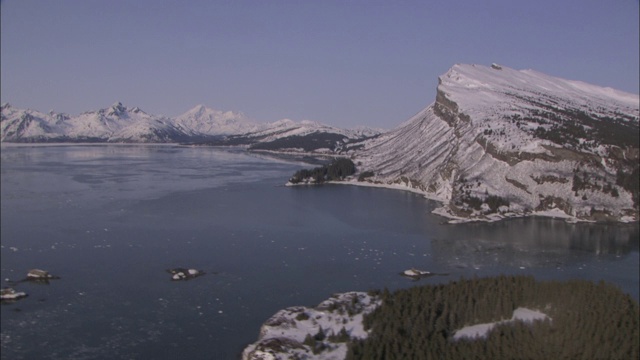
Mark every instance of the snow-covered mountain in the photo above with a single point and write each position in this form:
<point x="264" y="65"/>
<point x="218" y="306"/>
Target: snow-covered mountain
<point x="500" y="142"/>
<point x="204" y="121"/>
<point x="299" y="137"/>
<point x="16" y="124"/>
<point x="116" y="123"/>
<point x="119" y="123"/>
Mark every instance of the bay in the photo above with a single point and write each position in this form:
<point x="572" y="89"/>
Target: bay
<point x="110" y="219"/>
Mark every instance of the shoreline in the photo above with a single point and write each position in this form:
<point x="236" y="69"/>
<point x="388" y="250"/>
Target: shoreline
<point x="554" y="214"/>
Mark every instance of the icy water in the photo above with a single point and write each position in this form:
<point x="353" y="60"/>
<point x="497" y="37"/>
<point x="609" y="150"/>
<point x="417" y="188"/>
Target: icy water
<point x="109" y="220"/>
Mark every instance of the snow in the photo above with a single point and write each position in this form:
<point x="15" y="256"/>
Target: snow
<point x="202" y="120"/>
<point x="287" y="127"/>
<point x="415" y="272"/>
<point x="119" y="123"/>
<point x="482" y="330"/>
<point x="468" y="143"/>
<point x="553" y="213"/>
<point x="11" y="294"/>
<point x="292" y="325"/>
<point x="460" y="77"/>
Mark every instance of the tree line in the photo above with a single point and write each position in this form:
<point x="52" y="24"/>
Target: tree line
<point x="337" y="170"/>
<point x="588" y="321"/>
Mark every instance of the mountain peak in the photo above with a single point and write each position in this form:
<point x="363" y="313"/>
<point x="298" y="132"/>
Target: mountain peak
<point x="202" y="120"/>
<point x="200" y="108"/>
<point x="117" y="109"/>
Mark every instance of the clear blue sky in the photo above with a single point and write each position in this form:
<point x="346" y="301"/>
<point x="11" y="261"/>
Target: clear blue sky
<point x="343" y="63"/>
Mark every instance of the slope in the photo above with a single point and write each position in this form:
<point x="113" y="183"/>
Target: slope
<point x="500" y="142"/>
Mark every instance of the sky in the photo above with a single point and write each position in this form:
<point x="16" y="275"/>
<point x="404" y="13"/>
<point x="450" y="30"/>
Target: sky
<point x="343" y="63"/>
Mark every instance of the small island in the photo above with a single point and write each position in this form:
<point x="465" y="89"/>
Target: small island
<point x="39" y="275"/>
<point x="416" y="274"/>
<point x="9" y="295"/>
<point x="184" y="274"/>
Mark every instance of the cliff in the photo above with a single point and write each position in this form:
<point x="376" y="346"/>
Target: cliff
<point x="499" y="142"/>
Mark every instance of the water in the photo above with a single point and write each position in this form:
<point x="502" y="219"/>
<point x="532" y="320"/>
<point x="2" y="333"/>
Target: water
<point x="109" y="220"/>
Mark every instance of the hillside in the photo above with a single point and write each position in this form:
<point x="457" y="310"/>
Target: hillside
<point x="499" y="142"/>
<point x="288" y="136"/>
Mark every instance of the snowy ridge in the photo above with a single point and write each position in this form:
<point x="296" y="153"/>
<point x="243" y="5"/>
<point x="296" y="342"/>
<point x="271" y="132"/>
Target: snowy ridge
<point x="313" y="333"/>
<point x="498" y="142"/>
<point x="119" y="123"/>
<point x="287" y="127"/>
<point x="298" y="138"/>
<point x="202" y="120"/>
<point x="116" y="123"/>
<point x="17" y="123"/>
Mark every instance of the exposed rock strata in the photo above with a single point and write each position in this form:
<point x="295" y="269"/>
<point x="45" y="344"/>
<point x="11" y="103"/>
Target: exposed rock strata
<point x="503" y="142"/>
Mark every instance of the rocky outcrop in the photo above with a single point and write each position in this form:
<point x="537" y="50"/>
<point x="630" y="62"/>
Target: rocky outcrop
<point x="184" y="274"/>
<point x="322" y="332"/>
<point x="9" y="295"/>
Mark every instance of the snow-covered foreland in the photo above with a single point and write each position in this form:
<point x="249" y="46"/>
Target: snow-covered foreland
<point x="313" y="333"/>
<point x="482" y="330"/>
<point x="499" y="143"/>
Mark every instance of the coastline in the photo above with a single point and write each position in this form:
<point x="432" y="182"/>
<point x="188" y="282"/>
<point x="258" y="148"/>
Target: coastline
<point x="443" y="212"/>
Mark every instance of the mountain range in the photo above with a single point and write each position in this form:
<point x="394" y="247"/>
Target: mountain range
<point x="200" y="125"/>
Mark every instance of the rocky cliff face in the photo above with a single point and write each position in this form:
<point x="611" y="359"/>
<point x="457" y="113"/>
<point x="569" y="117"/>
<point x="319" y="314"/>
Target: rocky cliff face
<point x="500" y="142"/>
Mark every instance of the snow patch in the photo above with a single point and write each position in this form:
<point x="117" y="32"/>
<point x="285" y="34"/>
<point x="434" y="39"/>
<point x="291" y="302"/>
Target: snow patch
<point x="482" y="330"/>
